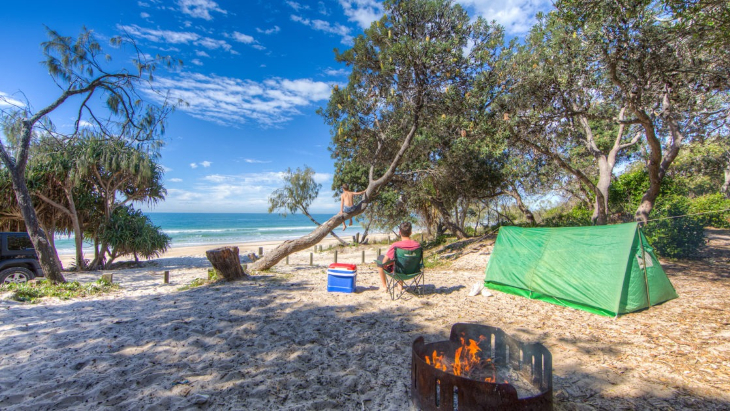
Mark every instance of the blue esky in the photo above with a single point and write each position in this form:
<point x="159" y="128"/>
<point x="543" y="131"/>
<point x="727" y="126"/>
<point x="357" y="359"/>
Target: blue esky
<point x="254" y="74"/>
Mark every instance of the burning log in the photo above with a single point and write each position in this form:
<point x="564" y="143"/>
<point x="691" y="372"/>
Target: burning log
<point x="227" y="262"/>
<point x="480" y="368"/>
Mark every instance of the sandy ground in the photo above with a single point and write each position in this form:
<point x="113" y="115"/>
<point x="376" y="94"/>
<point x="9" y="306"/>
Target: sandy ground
<point x="281" y="341"/>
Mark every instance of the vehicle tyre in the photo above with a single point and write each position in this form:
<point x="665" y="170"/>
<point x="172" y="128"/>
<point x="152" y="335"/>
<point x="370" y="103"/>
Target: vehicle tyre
<point x="15" y="275"/>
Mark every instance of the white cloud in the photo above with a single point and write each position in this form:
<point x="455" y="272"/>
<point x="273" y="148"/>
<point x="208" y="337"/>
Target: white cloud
<point x="85" y="124"/>
<point x="175" y="37"/>
<point x="200" y="8"/>
<point x="144" y="15"/>
<point x="254" y="161"/>
<point x="160" y="36"/>
<point x="166" y="169"/>
<point x="517" y="16"/>
<point x="205" y="164"/>
<point x="142" y="4"/>
<point x="327" y="27"/>
<point x="201" y="53"/>
<point x="193" y="165"/>
<point x="338" y="72"/>
<point x="322" y="8"/>
<point x="197" y="62"/>
<point x="272" y="30"/>
<point x="226" y="100"/>
<point x="7" y="101"/>
<point x="175" y="180"/>
<point x="296" y="6"/>
<point x="242" y="38"/>
<point x="258" y="47"/>
<point x="363" y="12"/>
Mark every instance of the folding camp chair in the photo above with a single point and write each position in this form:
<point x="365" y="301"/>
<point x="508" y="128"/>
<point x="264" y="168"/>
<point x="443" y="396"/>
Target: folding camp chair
<point x="408" y="268"/>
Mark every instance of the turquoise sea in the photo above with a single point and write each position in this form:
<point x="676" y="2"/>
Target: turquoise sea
<point x="187" y="229"/>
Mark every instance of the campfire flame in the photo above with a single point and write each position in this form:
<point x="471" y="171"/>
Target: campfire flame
<point x="467" y="361"/>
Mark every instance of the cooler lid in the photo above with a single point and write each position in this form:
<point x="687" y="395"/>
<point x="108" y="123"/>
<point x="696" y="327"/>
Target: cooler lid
<point x="344" y="266"/>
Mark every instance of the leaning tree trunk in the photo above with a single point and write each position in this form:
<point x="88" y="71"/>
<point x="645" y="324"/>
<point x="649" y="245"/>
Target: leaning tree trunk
<point x="43" y="248"/>
<point x="292" y="246"/>
<point x="318" y="224"/>
<point x="521" y="206"/>
<point x="227" y="262"/>
<point x="371" y="192"/>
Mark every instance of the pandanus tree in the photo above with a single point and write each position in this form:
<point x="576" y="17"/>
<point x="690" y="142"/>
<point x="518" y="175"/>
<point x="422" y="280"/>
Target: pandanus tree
<point x="401" y="66"/>
<point x="79" y="68"/>
<point x="120" y="173"/>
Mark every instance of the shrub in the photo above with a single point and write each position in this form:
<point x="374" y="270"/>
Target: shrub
<point x="712" y="203"/>
<point x="575" y="217"/>
<point x="33" y="291"/>
<point x="680" y="237"/>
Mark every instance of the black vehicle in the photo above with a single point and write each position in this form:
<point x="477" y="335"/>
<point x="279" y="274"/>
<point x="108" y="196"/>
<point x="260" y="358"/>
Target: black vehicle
<point x="18" y="259"/>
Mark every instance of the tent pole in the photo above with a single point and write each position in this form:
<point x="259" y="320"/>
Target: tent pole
<point x="643" y="258"/>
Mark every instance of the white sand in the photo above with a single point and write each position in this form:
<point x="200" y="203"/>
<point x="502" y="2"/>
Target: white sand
<point x="281" y="341"/>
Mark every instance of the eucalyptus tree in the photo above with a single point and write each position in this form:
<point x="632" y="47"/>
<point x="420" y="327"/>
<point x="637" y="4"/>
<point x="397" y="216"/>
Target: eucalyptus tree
<point x="401" y="66"/>
<point x="667" y="82"/>
<point x="561" y="108"/>
<point x="297" y="194"/>
<point x="77" y="66"/>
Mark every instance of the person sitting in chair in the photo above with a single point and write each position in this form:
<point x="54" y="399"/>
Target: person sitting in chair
<point x="386" y="262"/>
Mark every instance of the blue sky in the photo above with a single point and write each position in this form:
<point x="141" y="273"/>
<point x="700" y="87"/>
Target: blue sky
<point x="254" y="74"/>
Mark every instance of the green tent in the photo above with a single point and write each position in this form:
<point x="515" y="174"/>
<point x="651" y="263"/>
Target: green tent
<point x="598" y="269"/>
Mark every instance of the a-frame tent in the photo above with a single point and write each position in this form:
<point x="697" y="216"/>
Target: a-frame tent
<point x="607" y="270"/>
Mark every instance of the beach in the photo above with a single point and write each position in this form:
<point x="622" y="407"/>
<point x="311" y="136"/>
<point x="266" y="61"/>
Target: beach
<point x="281" y="341"/>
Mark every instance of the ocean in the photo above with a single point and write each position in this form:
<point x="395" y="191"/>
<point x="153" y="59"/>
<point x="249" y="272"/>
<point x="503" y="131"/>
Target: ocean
<point x="189" y="229"/>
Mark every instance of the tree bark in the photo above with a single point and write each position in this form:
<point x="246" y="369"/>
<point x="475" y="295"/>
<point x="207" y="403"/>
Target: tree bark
<point x="522" y="207"/>
<point x="43" y="247"/>
<point x="318" y="224"/>
<point x="227" y="262"/>
<point x="726" y="187"/>
<point x="16" y="167"/>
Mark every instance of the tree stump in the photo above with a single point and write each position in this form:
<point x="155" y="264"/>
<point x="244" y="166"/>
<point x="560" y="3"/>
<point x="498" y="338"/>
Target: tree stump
<point x="227" y="262"/>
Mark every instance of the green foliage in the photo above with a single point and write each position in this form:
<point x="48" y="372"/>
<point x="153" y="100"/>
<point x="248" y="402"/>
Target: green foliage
<point x="33" y="291"/>
<point x="716" y="206"/>
<point x="575" y="217"/>
<point x="197" y="282"/>
<point x="298" y="193"/>
<point x="680" y="237"/>
<point x="213" y="274"/>
<point x="131" y="232"/>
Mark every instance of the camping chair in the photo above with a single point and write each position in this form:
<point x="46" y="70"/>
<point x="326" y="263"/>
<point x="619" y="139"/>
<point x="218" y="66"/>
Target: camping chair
<point x="408" y="267"/>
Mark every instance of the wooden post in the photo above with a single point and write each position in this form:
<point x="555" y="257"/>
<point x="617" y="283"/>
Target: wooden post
<point x="166" y="279"/>
<point x="388" y="238"/>
<point x="311" y="258"/>
<point x="227" y="262"/>
<point x="320" y="248"/>
<point x="261" y="252"/>
<point x="378" y="252"/>
<point x="363" y="256"/>
<point x="335" y="256"/>
<point x="287" y="260"/>
<point x="315" y="248"/>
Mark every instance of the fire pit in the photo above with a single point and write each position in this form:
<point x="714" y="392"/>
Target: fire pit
<point x="481" y="368"/>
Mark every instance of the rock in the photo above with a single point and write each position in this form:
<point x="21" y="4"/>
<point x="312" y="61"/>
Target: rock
<point x="199" y="399"/>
